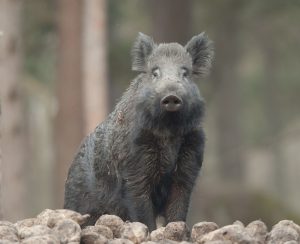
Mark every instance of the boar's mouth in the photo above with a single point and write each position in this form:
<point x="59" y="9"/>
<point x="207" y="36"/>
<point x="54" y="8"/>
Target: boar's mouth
<point x="184" y="119"/>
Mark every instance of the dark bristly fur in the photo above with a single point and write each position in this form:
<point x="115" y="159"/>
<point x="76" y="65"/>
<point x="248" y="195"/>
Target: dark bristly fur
<point x="142" y="161"/>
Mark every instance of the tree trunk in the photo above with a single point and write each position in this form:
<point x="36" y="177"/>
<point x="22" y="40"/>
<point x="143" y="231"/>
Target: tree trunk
<point x="69" y="120"/>
<point x="224" y="74"/>
<point x="272" y="106"/>
<point x="171" y="20"/>
<point x="1" y="180"/>
<point x="82" y="83"/>
<point x="13" y="126"/>
<point x="95" y="86"/>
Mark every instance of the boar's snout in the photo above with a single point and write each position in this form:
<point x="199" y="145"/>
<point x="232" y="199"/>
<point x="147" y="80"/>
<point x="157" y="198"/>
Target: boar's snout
<point x="171" y="103"/>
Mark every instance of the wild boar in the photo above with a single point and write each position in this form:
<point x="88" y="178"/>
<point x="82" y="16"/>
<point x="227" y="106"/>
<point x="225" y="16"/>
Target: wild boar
<point x="143" y="160"/>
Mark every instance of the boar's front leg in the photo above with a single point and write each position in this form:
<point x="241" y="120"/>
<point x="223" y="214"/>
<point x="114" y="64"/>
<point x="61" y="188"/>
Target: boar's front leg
<point x="138" y="181"/>
<point x="138" y="199"/>
<point x="139" y="205"/>
<point x="188" y="166"/>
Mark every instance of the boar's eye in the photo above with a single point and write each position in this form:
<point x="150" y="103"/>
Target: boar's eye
<point x="184" y="72"/>
<point x="155" y="72"/>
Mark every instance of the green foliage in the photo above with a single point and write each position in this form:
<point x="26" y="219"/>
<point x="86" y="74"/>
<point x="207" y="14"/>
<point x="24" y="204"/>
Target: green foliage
<point x="39" y="39"/>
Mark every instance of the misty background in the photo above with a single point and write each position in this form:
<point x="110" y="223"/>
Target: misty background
<point x="64" y="64"/>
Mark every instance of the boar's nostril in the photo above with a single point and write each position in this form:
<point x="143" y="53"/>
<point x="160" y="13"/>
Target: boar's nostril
<point x="165" y="101"/>
<point x="171" y="103"/>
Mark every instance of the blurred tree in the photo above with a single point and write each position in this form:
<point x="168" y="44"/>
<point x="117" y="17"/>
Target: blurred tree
<point x="271" y="93"/>
<point x="171" y="20"/>
<point x="95" y="85"/>
<point x="69" y="125"/>
<point x="1" y="181"/>
<point x="227" y="85"/>
<point x="39" y="35"/>
<point x="13" y="134"/>
<point x="271" y="105"/>
<point x="82" y="88"/>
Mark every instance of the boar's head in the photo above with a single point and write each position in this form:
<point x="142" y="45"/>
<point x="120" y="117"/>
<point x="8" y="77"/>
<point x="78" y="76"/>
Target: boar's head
<point x="167" y="96"/>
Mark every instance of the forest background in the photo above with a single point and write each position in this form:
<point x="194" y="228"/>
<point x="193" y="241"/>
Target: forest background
<point x="65" y="63"/>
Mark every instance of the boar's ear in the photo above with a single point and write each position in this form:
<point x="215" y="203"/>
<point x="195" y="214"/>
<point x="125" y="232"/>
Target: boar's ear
<point x="141" y="49"/>
<point x="202" y="52"/>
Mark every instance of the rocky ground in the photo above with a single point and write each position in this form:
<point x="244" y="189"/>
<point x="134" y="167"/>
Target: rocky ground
<point x="63" y="226"/>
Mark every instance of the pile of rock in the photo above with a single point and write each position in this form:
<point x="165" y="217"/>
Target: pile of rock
<point x="63" y="226"/>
